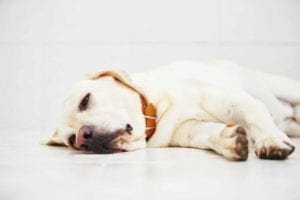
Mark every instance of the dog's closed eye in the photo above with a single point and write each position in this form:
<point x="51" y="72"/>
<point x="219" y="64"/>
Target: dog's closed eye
<point x="83" y="105"/>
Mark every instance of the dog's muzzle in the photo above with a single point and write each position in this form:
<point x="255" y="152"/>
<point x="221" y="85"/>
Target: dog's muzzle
<point x="89" y="139"/>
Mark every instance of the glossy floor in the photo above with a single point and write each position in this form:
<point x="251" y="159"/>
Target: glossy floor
<point x="29" y="170"/>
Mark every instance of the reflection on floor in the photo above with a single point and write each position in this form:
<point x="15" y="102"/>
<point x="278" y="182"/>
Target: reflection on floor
<point x="29" y="170"/>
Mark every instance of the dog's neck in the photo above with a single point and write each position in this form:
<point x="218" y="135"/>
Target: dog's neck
<point x="149" y="112"/>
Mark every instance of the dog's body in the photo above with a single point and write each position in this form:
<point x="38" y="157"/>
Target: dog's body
<point x="212" y="105"/>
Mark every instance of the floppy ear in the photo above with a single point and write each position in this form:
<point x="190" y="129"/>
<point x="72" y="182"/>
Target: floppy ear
<point x="121" y="77"/>
<point x="55" y="140"/>
<point x="118" y="75"/>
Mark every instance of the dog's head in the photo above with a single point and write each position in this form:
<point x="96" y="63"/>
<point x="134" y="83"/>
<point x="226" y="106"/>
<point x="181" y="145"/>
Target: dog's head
<point x="102" y="114"/>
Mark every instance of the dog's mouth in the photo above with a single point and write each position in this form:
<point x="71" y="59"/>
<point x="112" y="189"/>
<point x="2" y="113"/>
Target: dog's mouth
<point x="103" y="146"/>
<point x="102" y="143"/>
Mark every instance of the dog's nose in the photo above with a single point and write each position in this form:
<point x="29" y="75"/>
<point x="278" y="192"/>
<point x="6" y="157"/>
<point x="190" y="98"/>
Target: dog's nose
<point x="89" y="139"/>
<point x="84" y="133"/>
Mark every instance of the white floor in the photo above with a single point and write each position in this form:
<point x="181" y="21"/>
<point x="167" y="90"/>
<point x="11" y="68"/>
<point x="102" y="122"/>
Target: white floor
<point x="29" y="170"/>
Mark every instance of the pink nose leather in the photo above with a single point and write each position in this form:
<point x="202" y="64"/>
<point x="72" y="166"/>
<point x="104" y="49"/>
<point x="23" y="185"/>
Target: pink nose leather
<point x="84" y="133"/>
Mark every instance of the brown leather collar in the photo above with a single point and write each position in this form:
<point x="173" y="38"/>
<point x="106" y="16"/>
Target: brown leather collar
<point x="148" y="109"/>
<point x="150" y="117"/>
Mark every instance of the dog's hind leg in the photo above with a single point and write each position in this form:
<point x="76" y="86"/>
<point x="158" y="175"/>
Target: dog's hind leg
<point x="228" y="141"/>
<point x="291" y="123"/>
<point x="284" y="88"/>
<point x="287" y="91"/>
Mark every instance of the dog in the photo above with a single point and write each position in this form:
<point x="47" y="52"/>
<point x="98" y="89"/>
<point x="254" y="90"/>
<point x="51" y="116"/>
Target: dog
<point x="215" y="105"/>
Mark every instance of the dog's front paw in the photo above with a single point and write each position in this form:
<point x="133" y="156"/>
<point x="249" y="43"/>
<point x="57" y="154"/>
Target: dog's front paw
<point x="235" y="143"/>
<point x="274" y="148"/>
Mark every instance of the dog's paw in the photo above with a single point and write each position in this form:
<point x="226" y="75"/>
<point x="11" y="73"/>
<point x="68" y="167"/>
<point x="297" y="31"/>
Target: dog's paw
<point x="235" y="143"/>
<point x="274" y="148"/>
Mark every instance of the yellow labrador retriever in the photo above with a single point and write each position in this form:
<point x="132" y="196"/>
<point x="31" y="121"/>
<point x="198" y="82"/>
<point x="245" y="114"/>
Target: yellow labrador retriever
<point x="207" y="105"/>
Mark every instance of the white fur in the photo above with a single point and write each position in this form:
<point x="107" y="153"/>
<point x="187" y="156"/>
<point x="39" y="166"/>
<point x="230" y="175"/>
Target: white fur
<point x="195" y="102"/>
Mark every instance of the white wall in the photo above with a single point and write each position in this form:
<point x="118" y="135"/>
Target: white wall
<point x="47" y="45"/>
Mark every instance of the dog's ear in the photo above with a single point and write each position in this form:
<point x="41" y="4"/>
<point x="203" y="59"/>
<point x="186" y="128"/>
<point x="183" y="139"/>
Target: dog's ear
<point x="118" y="75"/>
<point x="121" y="77"/>
<point x="54" y="140"/>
